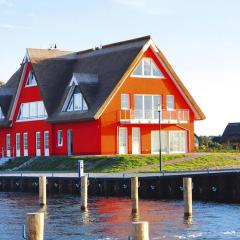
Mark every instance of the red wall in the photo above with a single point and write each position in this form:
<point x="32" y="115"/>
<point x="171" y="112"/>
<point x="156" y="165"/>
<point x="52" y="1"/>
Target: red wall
<point x="133" y="85"/>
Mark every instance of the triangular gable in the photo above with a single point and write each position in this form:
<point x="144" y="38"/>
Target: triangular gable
<point x="75" y="101"/>
<point x="184" y="92"/>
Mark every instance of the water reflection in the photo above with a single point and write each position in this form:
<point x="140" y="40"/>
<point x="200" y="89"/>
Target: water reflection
<point x="110" y="218"/>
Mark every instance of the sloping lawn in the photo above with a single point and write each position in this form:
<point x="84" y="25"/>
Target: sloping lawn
<point x="209" y="161"/>
<point x="99" y="164"/>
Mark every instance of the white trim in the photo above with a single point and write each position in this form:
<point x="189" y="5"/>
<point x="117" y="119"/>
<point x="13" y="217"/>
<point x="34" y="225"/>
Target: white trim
<point x="38" y="150"/>
<point x="25" y="151"/>
<point x="125" y="150"/>
<point x="46" y="150"/>
<point x="143" y="76"/>
<point x="59" y="145"/>
<point x="139" y="138"/>
<point x="128" y="99"/>
<point x="174" y="105"/>
<point x="8" y="144"/>
<point x="18" y="151"/>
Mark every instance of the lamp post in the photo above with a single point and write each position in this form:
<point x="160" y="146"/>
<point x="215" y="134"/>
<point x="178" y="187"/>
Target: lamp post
<point x="160" y="147"/>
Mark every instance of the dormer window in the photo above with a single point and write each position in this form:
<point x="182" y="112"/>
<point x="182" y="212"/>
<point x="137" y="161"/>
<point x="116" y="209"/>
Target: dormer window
<point x="31" y="81"/>
<point x="1" y="114"/>
<point x="76" y="102"/>
<point x="147" y="68"/>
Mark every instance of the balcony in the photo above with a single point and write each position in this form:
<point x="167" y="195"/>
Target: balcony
<point x="152" y="116"/>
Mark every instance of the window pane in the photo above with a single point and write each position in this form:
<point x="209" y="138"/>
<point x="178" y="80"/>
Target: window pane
<point x="33" y="110"/>
<point x="60" y="138"/>
<point x="157" y="101"/>
<point x="25" y="111"/>
<point x="155" y="70"/>
<point x="138" y="107"/>
<point x="77" y="101"/>
<point x="147" y="66"/>
<point x="124" y="101"/>
<point x="148" y="109"/>
<point x="41" y="112"/>
<point x="138" y="70"/>
<point x="170" y="102"/>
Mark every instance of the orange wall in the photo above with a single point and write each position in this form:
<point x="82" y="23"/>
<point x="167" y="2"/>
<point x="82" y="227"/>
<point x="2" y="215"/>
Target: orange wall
<point x="134" y="85"/>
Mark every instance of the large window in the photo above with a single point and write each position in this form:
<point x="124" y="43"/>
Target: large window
<point x="147" y="68"/>
<point x="60" y="138"/>
<point x="32" y="111"/>
<point x="31" y="81"/>
<point x="125" y="101"/>
<point x="77" y="102"/>
<point x="146" y="106"/>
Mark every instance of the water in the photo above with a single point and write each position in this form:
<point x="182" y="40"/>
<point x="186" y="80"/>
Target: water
<point x="110" y="218"/>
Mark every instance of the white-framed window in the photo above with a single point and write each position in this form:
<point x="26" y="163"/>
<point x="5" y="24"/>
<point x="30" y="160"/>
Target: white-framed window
<point x="147" y="68"/>
<point x="25" y="141"/>
<point x="38" y="140"/>
<point x="46" y="140"/>
<point x="170" y="102"/>
<point x="60" y="138"/>
<point x="1" y="114"/>
<point x="146" y="106"/>
<point x="8" y="142"/>
<point x="32" y="111"/>
<point x="31" y="81"/>
<point x="125" y="103"/>
<point x="76" y="102"/>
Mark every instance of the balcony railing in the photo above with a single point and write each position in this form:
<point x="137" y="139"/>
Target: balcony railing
<point x="152" y="116"/>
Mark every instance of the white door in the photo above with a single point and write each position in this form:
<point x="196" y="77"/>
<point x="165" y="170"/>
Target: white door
<point x="155" y="146"/>
<point x="18" y="153"/>
<point x="8" y="145"/>
<point x="136" y="143"/>
<point x="123" y="145"/>
<point x="25" y="144"/>
<point x="46" y="143"/>
<point x="178" y="141"/>
<point x="38" y="144"/>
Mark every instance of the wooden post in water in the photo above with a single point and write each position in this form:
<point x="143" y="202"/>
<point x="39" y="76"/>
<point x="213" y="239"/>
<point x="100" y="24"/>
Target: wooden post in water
<point x="42" y="190"/>
<point x="35" y="226"/>
<point x="84" y="192"/>
<point x="134" y="194"/>
<point x="187" y="196"/>
<point x="140" y="231"/>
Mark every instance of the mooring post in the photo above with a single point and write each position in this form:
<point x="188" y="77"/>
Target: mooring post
<point x="42" y="190"/>
<point x="140" y="231"/>
<point x="35" y="226"/>
<point x="134" y="194"/>
<point x="84" y="192"/>
<point x="187" y="195"/>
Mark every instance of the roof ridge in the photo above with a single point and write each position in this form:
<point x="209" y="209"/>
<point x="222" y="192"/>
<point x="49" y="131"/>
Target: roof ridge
<point x="147" y="37"/>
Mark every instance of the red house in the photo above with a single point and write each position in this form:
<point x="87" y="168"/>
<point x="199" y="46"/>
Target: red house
<point x="105" y="100"/>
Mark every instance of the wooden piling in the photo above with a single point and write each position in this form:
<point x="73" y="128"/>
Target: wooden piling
<point x="187" y="195"/>
<point x="35" y="226"/>
<point x="134" y="194"/>
<point x="42" y="190"/>
<point x="84" y="192"/>
<point x="140" y="231"/>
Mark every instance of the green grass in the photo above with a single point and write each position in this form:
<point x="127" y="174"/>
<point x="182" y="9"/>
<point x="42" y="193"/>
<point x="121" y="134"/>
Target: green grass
<point x="209" y="161"/>
<point x="101" y="164"/>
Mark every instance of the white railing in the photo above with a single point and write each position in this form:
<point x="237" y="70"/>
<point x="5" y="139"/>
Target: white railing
<point x="152" y="116"/>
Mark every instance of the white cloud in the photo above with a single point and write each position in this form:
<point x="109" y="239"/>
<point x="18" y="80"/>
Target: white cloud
<point x="6" y="3"/>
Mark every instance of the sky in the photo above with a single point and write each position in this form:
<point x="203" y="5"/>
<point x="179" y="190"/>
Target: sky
<point x="201" y="40"/>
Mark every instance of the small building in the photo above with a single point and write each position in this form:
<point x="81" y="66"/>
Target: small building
<point x="231" y="136"/>
<point x="103" y="100"/>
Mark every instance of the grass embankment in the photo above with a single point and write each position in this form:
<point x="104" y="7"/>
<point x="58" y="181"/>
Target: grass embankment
<point x="125" y="163"/>
<point x="99" y="164"/>
<point x="208" y="161"/>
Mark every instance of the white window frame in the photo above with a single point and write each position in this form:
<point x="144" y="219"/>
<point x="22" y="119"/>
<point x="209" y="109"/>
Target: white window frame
<point x="60" y="134"/>
<point x="18" y="144"/>
<point x="143" y="105"/>
<point x="29" y="118"/>
<point x="32" y="75"/>
<point x="8" y="144"/>
<point x="142" y="70"/>
<point x="169" y="108"/>
<point x="126" y="100"/>
<point x="25" y="144"/>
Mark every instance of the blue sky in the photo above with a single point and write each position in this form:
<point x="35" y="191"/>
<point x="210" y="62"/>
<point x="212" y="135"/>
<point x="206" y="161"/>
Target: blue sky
<point x="199" y="38"/>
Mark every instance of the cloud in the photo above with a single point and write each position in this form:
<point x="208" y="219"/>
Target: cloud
<point x="6" y="3"/>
